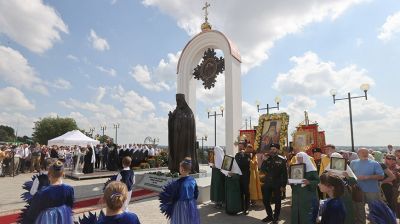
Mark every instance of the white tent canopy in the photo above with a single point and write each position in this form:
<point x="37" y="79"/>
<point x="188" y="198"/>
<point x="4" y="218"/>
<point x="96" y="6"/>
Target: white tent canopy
<point x="72" y="138"/>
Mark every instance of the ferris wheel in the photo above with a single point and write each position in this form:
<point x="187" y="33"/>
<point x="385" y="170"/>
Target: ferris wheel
<point x="149" y="140"/>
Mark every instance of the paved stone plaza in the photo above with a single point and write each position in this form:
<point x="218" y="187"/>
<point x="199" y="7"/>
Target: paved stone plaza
<point x="149" y="213"/>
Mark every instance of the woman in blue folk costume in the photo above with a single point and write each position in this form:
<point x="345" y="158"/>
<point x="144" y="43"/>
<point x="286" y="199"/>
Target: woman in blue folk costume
<point x="333" y="209"/>
<point x="178" y="199"/>
<point x="304" y="196"/>
<point x="52" y="204"/>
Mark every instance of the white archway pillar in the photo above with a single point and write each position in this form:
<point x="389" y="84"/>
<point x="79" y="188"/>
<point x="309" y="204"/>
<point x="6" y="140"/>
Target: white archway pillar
<point x="186" y="84"/>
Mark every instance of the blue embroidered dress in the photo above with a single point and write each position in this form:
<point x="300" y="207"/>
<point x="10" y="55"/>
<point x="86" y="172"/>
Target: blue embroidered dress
<point x="52" y="205"/>
<point x="123" y="218"/>
<point x="333" y="212"/>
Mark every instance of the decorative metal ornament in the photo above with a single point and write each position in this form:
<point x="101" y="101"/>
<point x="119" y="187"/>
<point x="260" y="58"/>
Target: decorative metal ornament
<point x="209" y="68"/>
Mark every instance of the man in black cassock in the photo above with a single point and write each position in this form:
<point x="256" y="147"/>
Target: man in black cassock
<point x="243" y="160"/>
<point x="112" y="162"/>
<point x="88" y="160"/>
<point x="182" y="136"/>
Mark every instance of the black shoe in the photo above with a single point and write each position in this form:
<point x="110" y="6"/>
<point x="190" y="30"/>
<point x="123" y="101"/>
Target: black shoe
<point x="246" y="212"/>
<point x="268" y="219"/>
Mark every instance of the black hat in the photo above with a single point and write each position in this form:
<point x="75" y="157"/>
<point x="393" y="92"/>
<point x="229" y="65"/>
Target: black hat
<point x="316" y="150"/>
<point x="276" y="145"/>
<point x="243" y="142"/>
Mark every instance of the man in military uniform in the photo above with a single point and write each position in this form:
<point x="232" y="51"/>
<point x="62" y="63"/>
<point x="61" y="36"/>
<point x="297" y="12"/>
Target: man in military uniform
<point x="274" y="167"/>
<point x="243" y="160"/>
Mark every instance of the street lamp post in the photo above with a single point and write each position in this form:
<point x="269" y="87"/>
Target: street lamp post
<point x="215" y="121"/>
<point x="277" y="101"/>
<point x="202" y="139"/>
<point x="116" y="126"/>
<point x="246" y="122"/>
<point x="363" y="87"/>
<point x="103" y="128"/>
<point x="91" y="130"/>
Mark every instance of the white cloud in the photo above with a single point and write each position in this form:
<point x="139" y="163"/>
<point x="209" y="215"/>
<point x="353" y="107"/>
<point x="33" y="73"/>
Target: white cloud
<point x="253" y="27"/>
<point x="215" y="95"/>
<point x="96" y="108"/>
<point x="98" y="43"/>
<point x="359" y="42"/>
<point x="390" y="27"/>
<point x="311" y="76"/>
<point x="32" y="24"/>
<point x="375" y="123"/>
<point x="21" y="123"/>
<point x="159" y="78"/>
<point x="15" y="69"/>
<point x="167" y="107"/>
<point x="134" y="104"/>
<point x="72" y="57"/>
<point x="61" y="84"/>
<point x="12" y="99"/>
<point x="100" y="93"/>
<point x="110" y="71"/>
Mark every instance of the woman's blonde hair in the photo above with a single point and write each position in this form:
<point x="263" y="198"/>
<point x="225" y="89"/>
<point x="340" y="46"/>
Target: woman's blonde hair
<point x="56" y="169"/>
<point x="115" y="195"/>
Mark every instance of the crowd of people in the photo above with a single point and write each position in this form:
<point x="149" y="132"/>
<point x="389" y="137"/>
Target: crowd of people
<point x="325" y="193"/>
<point x="22" y="158"/>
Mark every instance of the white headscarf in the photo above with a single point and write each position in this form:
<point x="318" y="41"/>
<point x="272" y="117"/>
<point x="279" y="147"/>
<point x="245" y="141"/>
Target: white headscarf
<point x="93" y="159"/>
<point x="306" y="159"/>
<point x="218" y="157"/>
<point x="235" y="168"/>
<point x="348" y="169"/>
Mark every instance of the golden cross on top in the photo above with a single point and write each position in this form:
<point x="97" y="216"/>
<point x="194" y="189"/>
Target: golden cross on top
<point x="206" y="11"/>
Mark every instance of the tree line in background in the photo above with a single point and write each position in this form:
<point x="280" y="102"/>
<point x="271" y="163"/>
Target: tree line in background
<point x="44" y="129"/>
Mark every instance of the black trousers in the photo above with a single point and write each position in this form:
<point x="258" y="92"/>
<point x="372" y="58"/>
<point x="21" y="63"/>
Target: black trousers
<point x="22" y="163"/>
<point x="267" y="191"/>
<point x="97" y="163"/>
<point x="245" y="190"/>
<point x="389" y="195"/>
<point x="104" y="163"/>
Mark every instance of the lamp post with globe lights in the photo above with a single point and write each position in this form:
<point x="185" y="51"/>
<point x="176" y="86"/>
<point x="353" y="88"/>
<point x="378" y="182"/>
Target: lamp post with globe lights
<point x="215" y="121"/>
<point x="364" y="87"/>
<point x="277" y="101"/>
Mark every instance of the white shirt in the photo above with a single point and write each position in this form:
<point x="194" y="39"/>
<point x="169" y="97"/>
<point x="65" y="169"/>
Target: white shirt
<point x="151" y="152"/>
<point x="19" y="152"/>
<point x="26" y="152"/>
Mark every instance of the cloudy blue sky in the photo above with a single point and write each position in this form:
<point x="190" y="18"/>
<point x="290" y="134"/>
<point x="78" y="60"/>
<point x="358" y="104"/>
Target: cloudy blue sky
<point x="114" y="61"/>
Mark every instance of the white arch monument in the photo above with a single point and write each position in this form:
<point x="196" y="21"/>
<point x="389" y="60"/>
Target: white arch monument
<point x="186" y="84"/>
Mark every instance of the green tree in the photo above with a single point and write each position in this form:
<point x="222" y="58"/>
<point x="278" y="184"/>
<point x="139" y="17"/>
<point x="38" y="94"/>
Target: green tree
<point x="6" y="134"/>
<point x="103" y="138"/>
<point x="51" y="127"/>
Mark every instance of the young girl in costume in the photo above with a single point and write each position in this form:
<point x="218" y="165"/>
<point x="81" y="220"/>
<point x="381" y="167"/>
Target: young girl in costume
<point x="127" y="176"/>
<point x="333" y="210"/>
<point x="115" y="196"/>
<point x="178" y="200"/>
<point x="349" y="179"/>
<point x="53" y="203"/>
<point x="304" y="196"/>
